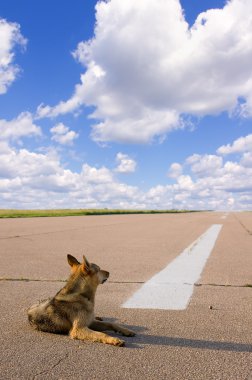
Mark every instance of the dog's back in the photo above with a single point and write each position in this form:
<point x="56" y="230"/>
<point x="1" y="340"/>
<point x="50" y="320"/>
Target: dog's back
<point x="48" y="316"/>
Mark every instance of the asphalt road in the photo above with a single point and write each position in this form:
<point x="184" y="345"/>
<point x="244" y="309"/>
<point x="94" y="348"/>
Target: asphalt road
<point x="196" y="343"/>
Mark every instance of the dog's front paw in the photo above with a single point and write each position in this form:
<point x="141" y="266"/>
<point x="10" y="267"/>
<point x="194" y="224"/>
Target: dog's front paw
<point x="117" y="342"/>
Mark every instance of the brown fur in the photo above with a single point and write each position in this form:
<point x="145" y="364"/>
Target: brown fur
<point x="71" y="310"/>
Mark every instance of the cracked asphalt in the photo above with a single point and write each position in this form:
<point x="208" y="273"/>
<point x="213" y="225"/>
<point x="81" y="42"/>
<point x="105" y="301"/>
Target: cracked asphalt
<point x="197" y="343"/>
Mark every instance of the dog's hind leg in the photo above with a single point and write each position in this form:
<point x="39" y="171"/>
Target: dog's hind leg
<point x="84" y="333"/>
<point x="104" y="326"/>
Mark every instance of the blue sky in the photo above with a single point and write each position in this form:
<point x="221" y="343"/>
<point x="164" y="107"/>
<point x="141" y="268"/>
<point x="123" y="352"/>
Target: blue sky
<point x="126" y="104"/>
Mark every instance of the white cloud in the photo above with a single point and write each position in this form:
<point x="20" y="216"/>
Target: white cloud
<point x="23" y="164"/>
<point x="210" y="183"/>
<point x="206" y="165"/>
<point x="125" y="164"/>
<point x="243" y="144"/>
<point x="185" y="182"/>
<point x="175" y="170"/>
<point x="140" y="79"/>
<point x="22" y="126"/>
<point x="96" y="176"/>
<point x="39" y="180"/>
<point x="140" y="128"/>
<point x="62" y="135"/>
<point x="10" y="36"/>
<point x="246" y="160"/>
<point x="32" y="180"/>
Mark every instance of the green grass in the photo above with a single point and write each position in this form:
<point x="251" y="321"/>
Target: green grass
<point x="71" y="212"/>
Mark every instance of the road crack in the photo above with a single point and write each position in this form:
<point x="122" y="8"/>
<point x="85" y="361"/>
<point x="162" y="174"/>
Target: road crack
<point x="243" y="225"/>
<point x="47" y="371"/>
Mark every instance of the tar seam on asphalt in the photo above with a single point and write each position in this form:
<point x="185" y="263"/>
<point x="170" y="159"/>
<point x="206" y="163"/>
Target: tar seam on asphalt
<point x="121" y="282"/>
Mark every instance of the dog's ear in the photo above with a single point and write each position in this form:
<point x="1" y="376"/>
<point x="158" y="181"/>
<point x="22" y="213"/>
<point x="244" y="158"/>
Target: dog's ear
<point x="86" y="265"/>
<point x="72" y="261"/>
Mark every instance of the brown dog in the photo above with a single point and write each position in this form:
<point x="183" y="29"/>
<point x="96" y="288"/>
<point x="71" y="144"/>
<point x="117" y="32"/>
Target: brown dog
<point x="72" y="309"/>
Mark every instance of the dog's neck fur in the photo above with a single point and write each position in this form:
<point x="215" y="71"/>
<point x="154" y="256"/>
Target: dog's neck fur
<point x="83" y="288"/>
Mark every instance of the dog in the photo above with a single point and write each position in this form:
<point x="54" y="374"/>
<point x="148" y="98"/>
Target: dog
<point x="71" y="310"/>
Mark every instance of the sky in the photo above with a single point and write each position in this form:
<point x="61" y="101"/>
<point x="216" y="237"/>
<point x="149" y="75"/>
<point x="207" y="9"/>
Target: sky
<point x="126" y="104"/>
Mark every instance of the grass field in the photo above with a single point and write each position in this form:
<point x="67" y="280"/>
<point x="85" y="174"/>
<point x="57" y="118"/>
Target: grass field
<point x="71" y="212"/>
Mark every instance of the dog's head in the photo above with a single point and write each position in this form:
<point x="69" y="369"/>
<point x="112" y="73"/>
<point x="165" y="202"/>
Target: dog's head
<point x="90" y="271"/>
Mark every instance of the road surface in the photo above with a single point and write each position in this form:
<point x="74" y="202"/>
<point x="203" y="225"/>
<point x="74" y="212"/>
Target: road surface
<point x="208" y="336"/>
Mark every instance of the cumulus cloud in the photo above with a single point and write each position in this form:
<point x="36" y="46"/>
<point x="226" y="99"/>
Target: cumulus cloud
<point x="208" y="182"/>
<point x="10" y="36"/>
<point x="23" y="164"/>
<point x="125" y="164"/>
<point x="175" y="170"/>
<point x="31" y="179"/>
<point x="205" y="165"/>
<point x="242" y="144"/>
<point x="246" y="159"/>
<point x="21" y="126"/>
<point x="141" y="80"/>
<point x="62" y="135"/>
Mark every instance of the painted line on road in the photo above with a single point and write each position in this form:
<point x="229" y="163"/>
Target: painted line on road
<point x="172" y="288"/>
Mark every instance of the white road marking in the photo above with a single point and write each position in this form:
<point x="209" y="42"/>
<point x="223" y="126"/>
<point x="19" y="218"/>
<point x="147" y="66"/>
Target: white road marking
<point x="172" y="288"/>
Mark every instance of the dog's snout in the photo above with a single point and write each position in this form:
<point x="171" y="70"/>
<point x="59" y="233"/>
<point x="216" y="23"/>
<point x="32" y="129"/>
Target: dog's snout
<point x="105" y="276"/>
